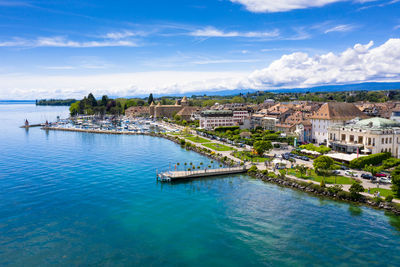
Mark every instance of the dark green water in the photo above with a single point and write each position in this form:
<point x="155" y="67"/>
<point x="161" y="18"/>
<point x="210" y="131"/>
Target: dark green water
<point x="85" y="199"/>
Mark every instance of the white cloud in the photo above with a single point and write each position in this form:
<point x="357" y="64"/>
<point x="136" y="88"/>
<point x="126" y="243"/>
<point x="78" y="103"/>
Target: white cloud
<point x="260" y="6"/>
<point x="361" y="63"/>
<point x="63" y="42"/>
<point x="358" y="64"/>
<point x="213" y="32"/>
<point x="223" y="61"/>
<point x="25" y="86"/>
<point x="340" y="28"/>
<point x="124" y="34"/>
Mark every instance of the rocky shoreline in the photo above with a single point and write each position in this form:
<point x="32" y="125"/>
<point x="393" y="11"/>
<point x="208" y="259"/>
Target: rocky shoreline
<point x="324" y="192"/>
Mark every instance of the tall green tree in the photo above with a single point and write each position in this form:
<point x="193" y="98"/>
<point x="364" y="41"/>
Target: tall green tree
<point x="355" y="189"/>
<point x="92" y="100"/>
<point x="262" y="146"/>
<point x="151" y="99"/>
<point x="322" y="165"/>
<point x="104" y="100"/>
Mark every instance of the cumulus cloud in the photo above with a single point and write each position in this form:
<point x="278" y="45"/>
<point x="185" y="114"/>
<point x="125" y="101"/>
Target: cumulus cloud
<point x="360" y="63"/>
<point x="213" y="32"/>
<point x="26" y="86"/>
<point x="259" y="6"/>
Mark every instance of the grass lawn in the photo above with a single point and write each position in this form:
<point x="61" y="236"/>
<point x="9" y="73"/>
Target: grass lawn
<point x="174" y="133"/>
<point x="384" y="192"/>
<point x="247" y="156"/>
<point x="328" y="179"/>
<point x="218" y="147"/>
<point x="197" y="139"/>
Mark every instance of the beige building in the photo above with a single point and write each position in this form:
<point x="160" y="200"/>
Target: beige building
<point x="369" y="136"/>
<point x="329" y="114"/>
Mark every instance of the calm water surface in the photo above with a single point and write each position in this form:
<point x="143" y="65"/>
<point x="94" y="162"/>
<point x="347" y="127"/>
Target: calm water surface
<point x="88" y="199"/>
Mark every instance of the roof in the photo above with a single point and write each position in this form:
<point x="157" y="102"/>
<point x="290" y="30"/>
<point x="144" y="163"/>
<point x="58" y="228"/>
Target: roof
<point x="338" y="111"/>
<point x="378" y="123"/>
<point x="215" y="113"/>
<point x="187" y="111"/>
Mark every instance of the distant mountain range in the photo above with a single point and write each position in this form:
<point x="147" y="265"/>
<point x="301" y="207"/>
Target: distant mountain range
<point x="370" y="86"/>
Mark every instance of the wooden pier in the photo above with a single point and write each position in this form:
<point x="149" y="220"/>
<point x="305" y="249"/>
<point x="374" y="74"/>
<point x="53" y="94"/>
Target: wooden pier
<point x="32" y="125"/>
<point x="178" y="175"/>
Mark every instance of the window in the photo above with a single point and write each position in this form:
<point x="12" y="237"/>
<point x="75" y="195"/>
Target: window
<point x="360" y="139"/>
<point x="352" y="138"/>
<point x="343" y="137"/>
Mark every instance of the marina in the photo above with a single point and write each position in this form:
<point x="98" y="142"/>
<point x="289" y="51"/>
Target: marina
<point x="105" y="125"/>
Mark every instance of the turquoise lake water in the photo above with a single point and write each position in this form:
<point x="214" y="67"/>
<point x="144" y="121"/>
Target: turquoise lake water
<point x="70" y="199"/>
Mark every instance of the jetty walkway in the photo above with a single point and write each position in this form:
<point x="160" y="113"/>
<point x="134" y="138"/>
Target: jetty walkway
<point x="176" y="175"/>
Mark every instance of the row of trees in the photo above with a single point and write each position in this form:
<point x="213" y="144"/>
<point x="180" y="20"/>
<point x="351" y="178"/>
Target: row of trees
<point x="90" y="106"/>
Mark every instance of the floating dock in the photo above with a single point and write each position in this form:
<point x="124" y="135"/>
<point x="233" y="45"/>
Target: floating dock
<point x="178" y="175"/>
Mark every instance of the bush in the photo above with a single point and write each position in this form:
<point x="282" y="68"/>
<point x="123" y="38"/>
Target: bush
<point x="373" y="159"/>
<point x="317" y="188"/>
<point x="377" y="200"/>
<point x="355" y="189"/>
<point x="226" y="128"/>
<point x="253" y="169"/>
<point x="182" y="142"/>
<point x="265" y="172"/>
<point x="389" y="198"/>
<point x="335" y="189"/>
<point x="322" y="184"/>
<point x="343" y="195"/>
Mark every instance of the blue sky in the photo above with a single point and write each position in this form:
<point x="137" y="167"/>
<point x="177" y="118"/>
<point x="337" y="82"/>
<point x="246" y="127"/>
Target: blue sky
<point x="69" y="48"/>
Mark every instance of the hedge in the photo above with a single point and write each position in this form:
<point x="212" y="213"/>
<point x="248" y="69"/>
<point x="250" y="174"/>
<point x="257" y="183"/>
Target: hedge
<point x="373" y="159"/>
<point x="226" y="128"/>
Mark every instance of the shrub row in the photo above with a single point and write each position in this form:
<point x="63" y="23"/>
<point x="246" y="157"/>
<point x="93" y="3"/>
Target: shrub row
<point x="373" y="159"/>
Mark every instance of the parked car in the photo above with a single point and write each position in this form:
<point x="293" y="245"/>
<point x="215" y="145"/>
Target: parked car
<point x="350" y="173"/>
<point x="344" y="168"/>
<point x="367" y="176"/>
<point x="335" y="172"/>
<point x="384" y="180"/>
<point x="305" y="158"/>
<point x="380" y="175"/>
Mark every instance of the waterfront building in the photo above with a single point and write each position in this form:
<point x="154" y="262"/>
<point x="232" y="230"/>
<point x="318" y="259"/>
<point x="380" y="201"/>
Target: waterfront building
<point x="137" y="111"/>
<point x="211" y="119"/>
<point x="161" y="111"/>
<point x="368" y="136"/>
<point x="329" y="114"/>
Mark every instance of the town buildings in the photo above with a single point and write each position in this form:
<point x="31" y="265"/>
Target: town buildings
<point x="368" y="136"/>
<point x="211" y="119"/>
<point x="329" y="114"/>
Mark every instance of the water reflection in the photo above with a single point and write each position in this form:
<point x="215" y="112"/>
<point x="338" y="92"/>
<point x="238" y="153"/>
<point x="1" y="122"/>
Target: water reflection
<point x="355" y="210"/>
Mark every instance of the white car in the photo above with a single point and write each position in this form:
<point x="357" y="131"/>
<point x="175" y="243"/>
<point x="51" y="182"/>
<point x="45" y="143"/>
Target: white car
<point x="384" y="180"/>
<point x="350" y="173"/>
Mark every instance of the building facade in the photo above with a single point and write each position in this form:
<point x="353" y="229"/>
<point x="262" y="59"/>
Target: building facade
<point x="211" y="119"/>
<point x="369" y="136"/>
<point x="330" y="114"/>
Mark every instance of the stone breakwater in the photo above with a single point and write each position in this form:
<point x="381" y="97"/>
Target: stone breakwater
<point x="323" y="192"/>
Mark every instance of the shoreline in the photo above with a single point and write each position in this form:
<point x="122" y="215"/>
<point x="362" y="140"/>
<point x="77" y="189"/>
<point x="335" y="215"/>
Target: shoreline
<point x="288" y="182"/>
